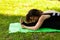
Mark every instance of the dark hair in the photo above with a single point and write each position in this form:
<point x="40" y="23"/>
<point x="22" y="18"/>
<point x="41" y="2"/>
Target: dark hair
<point x="33" y="12"/>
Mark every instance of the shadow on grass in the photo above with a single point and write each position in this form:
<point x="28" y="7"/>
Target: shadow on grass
<point x="5" y="20"/>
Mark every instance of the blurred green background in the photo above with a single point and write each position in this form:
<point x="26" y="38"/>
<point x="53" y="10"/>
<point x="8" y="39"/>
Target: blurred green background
<point x="12" y="10"/>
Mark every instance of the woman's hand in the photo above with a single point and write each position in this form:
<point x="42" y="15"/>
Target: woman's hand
<point x="23" y="26"/>
<point x="21" y="21"/>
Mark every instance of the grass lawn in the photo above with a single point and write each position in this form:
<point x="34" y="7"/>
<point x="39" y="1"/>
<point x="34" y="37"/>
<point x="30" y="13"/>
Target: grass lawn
<point x="5" y="20"/>
<point x="20" y="7"/>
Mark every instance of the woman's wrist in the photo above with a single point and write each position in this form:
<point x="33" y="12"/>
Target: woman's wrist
<point x="23" y="26"/>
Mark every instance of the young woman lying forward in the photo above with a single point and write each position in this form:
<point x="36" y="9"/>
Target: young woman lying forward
<point x="36" y="19"/>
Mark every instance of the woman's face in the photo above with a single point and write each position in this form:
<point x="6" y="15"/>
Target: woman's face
<point x="34" y="18"/>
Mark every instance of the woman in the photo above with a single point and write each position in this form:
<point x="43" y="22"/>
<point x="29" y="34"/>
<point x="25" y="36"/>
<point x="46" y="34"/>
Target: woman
<point x="38" y="19"/>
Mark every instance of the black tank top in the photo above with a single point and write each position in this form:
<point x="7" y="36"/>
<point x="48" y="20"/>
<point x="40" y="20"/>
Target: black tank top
<point x="52" y="22"/>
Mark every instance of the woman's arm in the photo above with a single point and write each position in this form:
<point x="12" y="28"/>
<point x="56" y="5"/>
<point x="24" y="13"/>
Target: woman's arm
<point x="39" y="23"/>
<point x="21" y="21"/>
<point x="53" y="12"/>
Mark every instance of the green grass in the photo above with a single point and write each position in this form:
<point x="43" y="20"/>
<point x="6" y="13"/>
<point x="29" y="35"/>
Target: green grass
<point x="5" y="20"/>
<point x="22" y="7"/>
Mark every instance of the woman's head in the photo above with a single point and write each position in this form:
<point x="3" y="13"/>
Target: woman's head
<point x="33" y="14"/>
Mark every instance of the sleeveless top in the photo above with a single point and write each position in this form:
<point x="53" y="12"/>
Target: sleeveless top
<point x="52" y="22"/>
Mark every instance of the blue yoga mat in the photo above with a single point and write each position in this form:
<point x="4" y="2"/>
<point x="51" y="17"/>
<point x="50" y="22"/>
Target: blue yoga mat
<point x="16" y="27"/>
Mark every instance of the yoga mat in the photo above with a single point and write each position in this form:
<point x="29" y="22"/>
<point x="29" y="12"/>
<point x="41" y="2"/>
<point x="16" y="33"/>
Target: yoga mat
<point x="16" y="27"/>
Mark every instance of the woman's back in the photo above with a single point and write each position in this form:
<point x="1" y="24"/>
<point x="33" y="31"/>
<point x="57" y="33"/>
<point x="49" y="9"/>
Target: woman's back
<point x="53" y="21"/>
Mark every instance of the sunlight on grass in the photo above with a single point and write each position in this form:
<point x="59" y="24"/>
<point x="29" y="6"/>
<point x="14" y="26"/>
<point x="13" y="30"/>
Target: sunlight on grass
<point x="21" y="7"/>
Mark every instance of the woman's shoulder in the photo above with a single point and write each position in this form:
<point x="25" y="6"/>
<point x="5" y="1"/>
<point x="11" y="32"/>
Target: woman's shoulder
<point x="54" y="13"/>
<point x="50" y="11"/>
